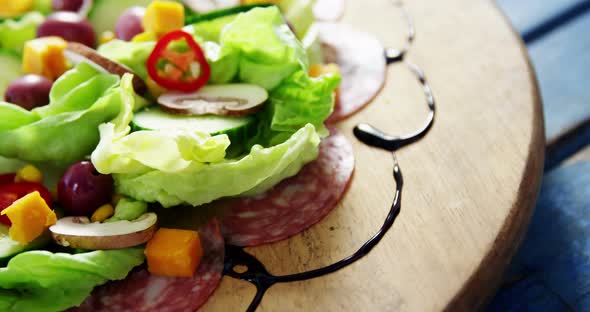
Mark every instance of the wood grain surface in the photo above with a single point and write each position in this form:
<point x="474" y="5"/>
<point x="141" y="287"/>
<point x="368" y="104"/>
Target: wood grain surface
<point x="470" y="185"/>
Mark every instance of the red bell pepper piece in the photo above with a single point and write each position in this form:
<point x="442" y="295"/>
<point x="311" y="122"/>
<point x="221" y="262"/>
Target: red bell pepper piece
<point x="181" y="62"/>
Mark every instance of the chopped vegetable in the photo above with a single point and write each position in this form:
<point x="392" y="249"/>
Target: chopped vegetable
<point x="162" y="17"/>
<point x="29" y="173"/>
<point x="102" y="213"/>
<point x="12" y="8"/>
<point x="44" y="56"/>
<point x="185" y="71"/>
<point x="174" y="252"/>
<point x="30" y="217"/>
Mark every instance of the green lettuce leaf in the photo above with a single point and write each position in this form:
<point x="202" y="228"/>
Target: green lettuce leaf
<point x="132" y="54"/>
<point x="45" y="281"/>
<point x="202" y="183"/>
<point x="300" y="100"/>
<point x="299" y="13"/>
<point x="128" y="209"/>
<point x="14" y="33"/>
<point x="66" y="130"/>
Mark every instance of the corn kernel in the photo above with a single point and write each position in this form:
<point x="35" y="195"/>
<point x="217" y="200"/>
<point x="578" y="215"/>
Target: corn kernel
<point x="102" y="213"/>
<point x="29" y="173"/>
<point x="145" y="36"/>
<point x="106" y="37"/>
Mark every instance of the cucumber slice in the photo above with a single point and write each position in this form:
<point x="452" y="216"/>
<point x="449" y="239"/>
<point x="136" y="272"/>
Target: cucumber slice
<point x="238" y="129"/>
<point x="11" y="69"/>
<point x="104" y="13"/>
<point x="10" y="248"/>
<point x="194" y="17"/>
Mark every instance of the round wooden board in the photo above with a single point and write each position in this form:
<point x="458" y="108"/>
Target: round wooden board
<point x="470" y="185"/>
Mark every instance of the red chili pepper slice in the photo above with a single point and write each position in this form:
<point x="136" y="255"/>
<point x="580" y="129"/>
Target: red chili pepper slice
<point x="178" y="72"/>
<point x="9" y="193"/>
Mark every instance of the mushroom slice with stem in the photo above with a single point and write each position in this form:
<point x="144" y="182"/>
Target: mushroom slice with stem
<point x="78" y="232"/>
<point x="228" y="100"/>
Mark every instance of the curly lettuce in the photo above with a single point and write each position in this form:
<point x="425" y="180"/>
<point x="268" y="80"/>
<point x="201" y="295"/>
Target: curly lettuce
<point x="45" y="281"/>
<point x="14" y="33"/>
<point x="66" y="130"/>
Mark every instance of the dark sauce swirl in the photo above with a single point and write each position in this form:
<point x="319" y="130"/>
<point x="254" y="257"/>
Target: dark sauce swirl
<point x="241" y="265"/>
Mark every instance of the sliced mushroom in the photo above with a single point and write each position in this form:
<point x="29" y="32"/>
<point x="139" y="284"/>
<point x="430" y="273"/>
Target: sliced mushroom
<point x="229" y="99"/>
<point x="77" y="53"/>
<point x="78" y="232"/>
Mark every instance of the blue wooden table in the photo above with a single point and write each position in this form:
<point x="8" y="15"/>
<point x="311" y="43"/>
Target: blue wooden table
<point x="551" y="271"/>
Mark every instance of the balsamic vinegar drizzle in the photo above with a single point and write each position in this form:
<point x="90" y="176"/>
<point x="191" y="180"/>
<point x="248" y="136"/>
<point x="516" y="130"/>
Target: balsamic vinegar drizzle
<point x="257" y="274"/>
<point x="393" y="55"/>
<point x="241" y="265"/>
<point x="377" y="138"/>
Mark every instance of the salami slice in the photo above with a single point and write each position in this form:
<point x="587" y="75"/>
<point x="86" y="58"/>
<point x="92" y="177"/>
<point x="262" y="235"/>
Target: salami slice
<point x="328" y="10"/>
<point x="296" y="203"/>
<point x="141" y="291"/>
<point x="361" y="59"/>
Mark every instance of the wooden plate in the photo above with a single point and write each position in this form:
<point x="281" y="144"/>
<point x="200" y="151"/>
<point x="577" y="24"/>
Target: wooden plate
<point x="470" y="185"/>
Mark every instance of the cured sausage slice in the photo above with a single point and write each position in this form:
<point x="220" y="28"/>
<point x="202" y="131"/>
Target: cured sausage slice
<point x="296" y="203"/>
<point x="141" y="291"/>
<point x="361" y="59"/>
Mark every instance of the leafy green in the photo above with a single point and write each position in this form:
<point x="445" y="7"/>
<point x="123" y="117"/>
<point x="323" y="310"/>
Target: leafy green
<point x="202" y="183"/>
<point x="128" y="209"/>
<point x="301" y="99"/>
<point x="176" y="167"/>
<point x="14" y="33"/>
<point x="66" y="130"/>
<point x="133" y="54"/>
<point x="299" y="13"/>
<point x="45" y="281"/>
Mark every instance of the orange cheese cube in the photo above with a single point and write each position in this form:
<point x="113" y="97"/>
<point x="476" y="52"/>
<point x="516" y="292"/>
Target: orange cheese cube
<point x="44" y="56"/>
<point x="30" y="217"/>
<point x="174" y="252"/>
<point x="317" y="70"/>
<point x="162" y="17"/>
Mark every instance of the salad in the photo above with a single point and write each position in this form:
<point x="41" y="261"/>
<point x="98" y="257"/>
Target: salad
<point x="112" y="122"/>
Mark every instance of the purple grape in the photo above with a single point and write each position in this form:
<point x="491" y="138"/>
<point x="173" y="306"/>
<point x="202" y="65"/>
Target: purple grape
<point x="81" y="190"/>
<point x="70" y="26"/>
<point x="67" y="5"/>
<point x="29" y="91"/>
<point x="129" y="23"/>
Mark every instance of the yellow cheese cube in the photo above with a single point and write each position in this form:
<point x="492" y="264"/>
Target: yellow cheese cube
<point x="12" y="8"/>
<point x="162" y="17"/>
<point x="30" y="217"/>
<point x="174" y="252"/>
<point x="44" y="56"/>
